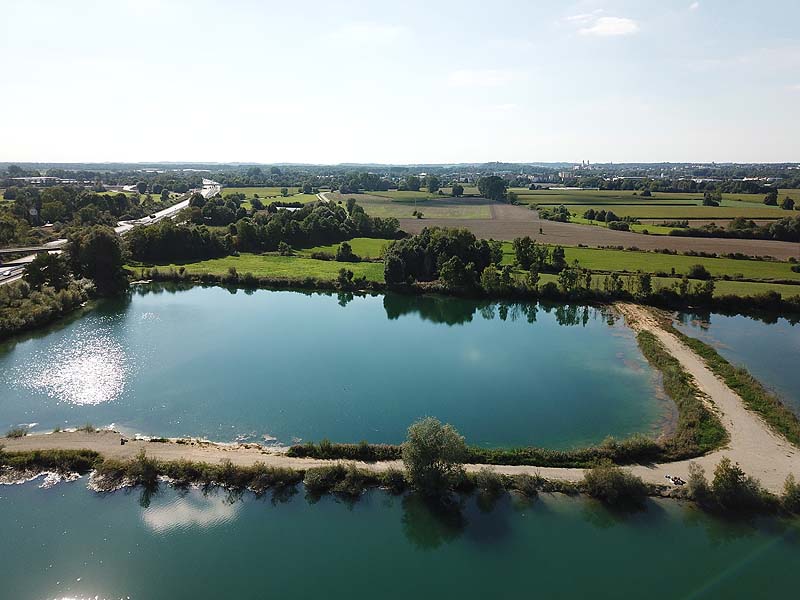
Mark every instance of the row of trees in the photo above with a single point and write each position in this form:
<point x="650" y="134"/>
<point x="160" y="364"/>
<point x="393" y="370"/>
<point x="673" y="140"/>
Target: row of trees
<point x="315" y="224"/>
<point x="786" y="229"/>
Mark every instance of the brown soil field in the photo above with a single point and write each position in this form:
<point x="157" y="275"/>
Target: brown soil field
<point x="510" y="221"/>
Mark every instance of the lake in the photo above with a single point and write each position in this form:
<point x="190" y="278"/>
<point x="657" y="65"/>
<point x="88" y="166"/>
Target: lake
<point x="287" y="366"/>
<point x="69" y="542"/>
<point x="769" y="350"/>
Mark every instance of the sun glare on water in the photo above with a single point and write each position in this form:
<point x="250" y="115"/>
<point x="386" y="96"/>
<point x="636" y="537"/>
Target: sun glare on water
<point x="88" y="368"/>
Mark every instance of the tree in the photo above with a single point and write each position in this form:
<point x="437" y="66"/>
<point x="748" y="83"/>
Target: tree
<point x="558" y="258"/>
<point x="141" y="187"/>
<point x="712" y="198"/>
<point x="457" y="190"/>
<point x="454" y="274"/>
<point x="344" y="253"/>
<point x="524" y="251"/>
<point x="433" y="455"/>
<point x="493" y="188"/>
<point x="432" y="183"/>
<point x="351" y="204"/>
<point x="307" y="188"/>
<point x="787" y="203"/>
<point x="165" y="195"/>
<point x="284" y="192"/>
<point x="96" y="253"/>
<point x="47" y="269"/>
<point x="771" y="199"/>
<point x="413" y="183"/>
<point x="645" y="281"/>
<point x="733" y="489"/>
<point x="698" y="272"/>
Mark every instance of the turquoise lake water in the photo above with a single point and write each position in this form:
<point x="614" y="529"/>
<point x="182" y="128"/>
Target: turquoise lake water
<point x="68" y="542"/>
<point x="290" y="366"/>
<point x="770" y="351"/>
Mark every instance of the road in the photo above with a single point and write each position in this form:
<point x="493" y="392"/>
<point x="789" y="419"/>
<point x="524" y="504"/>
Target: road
<point x="14" y="270"/>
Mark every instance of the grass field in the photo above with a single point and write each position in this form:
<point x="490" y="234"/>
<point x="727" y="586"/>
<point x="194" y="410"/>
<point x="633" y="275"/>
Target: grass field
<point x="269" y="194"/>
<point x="687" y="212"/>
<point x="721" y="288"/>
<point x="292" y="267"/>
<point x="660" y="205"/>
<point x="653" y="262"/>
<point x="363" y="247"/>
<point x="441" y="207"/>
<point x="645" y="227"/>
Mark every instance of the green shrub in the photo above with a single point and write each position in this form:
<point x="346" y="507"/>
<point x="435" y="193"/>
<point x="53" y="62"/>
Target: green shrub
<point x="489" y="482"/>
<point x="614" y="486"/>
<point x="17" y="432"/>
<point x="528" y="485"/>
<point x="733" y="490"/>
<point x="321" y="480"/>
<point x="790" y="500"/>
<point x="697" y="484"/>
<point x="393" y="480"/>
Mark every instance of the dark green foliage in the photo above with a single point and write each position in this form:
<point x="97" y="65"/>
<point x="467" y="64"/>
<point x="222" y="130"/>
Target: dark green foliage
<point x="493" y="188"/>
<point x="433" y="454"/>
<point x="96" y="253"/>
<point x="23" y="308"/>
<point x="393" y="480"/>
<point x="61" y="461"/>
<point x="167" y="241"/>
<point x="786" y="229"/>
<point x="47" y="270"/>
<point x="733" y="490"/>
<point x="790" y="500"/>
<point x="614" y="485"/>
<point x="344" y="253"/>
<point x="554" y="213"/>
<point x="698" y="272"/>
<point x="362" y="452"/>
<point x="419" y="258"/>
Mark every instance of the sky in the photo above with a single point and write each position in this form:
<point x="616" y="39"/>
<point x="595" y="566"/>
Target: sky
<point x="400" y="82"/>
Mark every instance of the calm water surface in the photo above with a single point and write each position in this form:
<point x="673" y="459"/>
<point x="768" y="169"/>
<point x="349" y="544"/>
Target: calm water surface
<point x="290" y="366"/>
<point x="68" y="542"/>
<point x="770" y="351"/>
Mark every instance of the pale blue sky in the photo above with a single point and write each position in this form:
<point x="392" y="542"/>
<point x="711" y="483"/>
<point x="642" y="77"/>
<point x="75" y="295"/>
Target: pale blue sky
<point x="413" y="81"/>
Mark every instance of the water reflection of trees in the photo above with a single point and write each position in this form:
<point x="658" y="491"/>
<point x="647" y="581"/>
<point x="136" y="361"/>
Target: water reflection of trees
<point x="457" y="311"/>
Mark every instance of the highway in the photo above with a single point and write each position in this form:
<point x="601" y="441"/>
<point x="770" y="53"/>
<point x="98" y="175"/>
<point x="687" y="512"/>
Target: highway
<point x="14" y="270"/>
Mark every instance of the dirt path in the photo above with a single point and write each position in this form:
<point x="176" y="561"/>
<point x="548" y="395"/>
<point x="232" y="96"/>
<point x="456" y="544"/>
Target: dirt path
<point x="758" y="451"/>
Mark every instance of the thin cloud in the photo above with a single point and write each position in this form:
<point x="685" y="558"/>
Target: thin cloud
<point x="368" y="32"/>
<point x="694" y="6"/>
<point x="584" y="18"/>
<point x="482" y="77"/>
<point x="611" y="26"/>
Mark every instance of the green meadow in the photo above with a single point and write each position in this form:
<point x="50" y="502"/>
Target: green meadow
<point x="271" y="265"/>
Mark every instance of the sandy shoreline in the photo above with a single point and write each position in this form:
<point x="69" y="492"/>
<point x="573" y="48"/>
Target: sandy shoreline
<point x="760" y="452"/>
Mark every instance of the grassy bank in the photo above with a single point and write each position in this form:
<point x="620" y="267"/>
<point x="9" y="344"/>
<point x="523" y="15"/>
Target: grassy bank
<point x="755" y="396"/>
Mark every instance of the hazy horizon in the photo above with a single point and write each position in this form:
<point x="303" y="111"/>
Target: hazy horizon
<point x="149" y="81"/>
